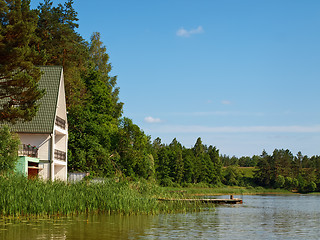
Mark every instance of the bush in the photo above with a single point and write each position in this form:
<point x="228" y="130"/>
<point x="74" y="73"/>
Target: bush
<point x="280" y="181"/>
<point x="9" y="146"/>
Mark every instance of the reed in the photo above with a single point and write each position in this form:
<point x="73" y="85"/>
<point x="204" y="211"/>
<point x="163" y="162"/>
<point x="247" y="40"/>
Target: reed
<point x="227" y="190"/>
<point x="22" y="197"/>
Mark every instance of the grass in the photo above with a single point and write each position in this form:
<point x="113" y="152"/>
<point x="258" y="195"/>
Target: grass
<point x="227" y="190"/>
<point x="22" y="197"/>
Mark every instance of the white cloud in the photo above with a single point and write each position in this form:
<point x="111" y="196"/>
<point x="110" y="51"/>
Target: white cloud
<point x="152" y="120"/>
<point x="219" y="113"/>
<point x="187" y="33"/>
<point x="226" y="102"/>
<point x="239" y="129"/>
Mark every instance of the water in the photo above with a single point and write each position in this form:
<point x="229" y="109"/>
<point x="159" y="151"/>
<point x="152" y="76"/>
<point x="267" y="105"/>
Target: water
<point x="259" y="217"/>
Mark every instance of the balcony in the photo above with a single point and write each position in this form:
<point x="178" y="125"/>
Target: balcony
<point x="28" y="150"/>
<point x="60" y="155"/>
<point x="60" y="122"/>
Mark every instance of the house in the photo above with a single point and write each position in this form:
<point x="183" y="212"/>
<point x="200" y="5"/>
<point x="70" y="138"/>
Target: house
<point x="44" y="139"/>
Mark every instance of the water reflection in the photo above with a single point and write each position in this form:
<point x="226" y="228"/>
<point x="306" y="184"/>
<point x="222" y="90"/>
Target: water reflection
<point x="260" y="217"/>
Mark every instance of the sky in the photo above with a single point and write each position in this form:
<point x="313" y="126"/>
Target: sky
<point x="242" y="75"/>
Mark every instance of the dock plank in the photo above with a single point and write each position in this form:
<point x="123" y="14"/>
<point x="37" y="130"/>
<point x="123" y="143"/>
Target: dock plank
<point x="207" y="200"/>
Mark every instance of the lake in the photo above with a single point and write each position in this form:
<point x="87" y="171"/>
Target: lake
<point x="259" y="217"/>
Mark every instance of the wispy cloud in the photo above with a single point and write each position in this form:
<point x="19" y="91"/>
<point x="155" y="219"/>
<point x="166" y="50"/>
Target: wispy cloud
<point x="239" y="129"/>
<point x="219" y="113"/>
<point x="226" y="102"/>
<point x="187" y="33"/>
<point x="152" y="120"/>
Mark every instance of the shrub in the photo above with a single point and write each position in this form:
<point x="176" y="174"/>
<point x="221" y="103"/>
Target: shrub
<point x="9" y="146"/>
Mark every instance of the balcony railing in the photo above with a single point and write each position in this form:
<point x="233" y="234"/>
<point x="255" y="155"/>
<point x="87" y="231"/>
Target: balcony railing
<point x="60" y="155"/>
<point x="28" y="150"/>
<point x="60" y="122"/>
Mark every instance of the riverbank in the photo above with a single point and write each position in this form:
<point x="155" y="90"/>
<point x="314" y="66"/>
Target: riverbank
<point x="22" y="197"/>
<point x="226" y="190"/>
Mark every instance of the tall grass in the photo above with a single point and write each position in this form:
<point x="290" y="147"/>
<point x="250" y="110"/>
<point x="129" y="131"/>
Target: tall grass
<point x="22" y="197"/>
<point x="226" y="190"/>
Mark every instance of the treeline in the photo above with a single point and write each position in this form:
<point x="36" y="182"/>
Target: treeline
<point x="246" y="161"/>
<point x="101" y="140"/>
<point x="175" y="164"/>
<point x="280" y="170"/>
<point x="283" y="170"/>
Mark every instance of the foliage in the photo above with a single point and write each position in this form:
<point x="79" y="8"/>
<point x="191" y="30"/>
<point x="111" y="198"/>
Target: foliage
<point x="101" y="140"/>
<point x="19" y="77"/>
<point x="9" y="144"/>
<point x="283" y="170"/>
<point x="233" y="176"/>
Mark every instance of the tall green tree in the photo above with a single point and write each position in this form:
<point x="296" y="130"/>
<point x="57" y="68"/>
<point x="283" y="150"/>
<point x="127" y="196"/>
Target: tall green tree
<point x="163" y="167"/>
<point x="216" y="176"/>
<point x="265" y="170"/>
<point x="176" y="161"/>
<point x="9" y="144"/>
<point x="19" y="90"/>
<point x="132" y="146"/>
<point x="189" y="162"/>
<point x="92" y="128"/>
<point x="56" y="27"/>
<point x="94" y="116"/>
<point x="100" y="60"/>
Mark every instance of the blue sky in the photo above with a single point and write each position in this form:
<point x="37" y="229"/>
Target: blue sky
<point x="242" y="75"/>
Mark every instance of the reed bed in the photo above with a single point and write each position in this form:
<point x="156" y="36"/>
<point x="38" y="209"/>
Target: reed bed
<point x="22" y="197"/>
<point x="227" y="190"/>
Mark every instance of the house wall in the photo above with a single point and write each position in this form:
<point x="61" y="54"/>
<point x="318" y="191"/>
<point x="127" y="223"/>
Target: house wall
<point x="41" y="141"/>
<point x="61" y="142"/>
<point x="44" y="173"/>
<point x="22" y="166"/>
<point x="60" y="172"/>
<point x="61" y="104"/>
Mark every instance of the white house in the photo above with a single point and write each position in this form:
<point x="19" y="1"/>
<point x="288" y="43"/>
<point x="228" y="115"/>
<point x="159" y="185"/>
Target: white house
<point x="45" y="138"/>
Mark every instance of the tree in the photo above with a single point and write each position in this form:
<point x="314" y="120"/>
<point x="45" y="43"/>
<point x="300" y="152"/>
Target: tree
<point x="63" y="45"/>
<point x="93" y="128"/>
<point x="282" y="160"/>
<point x="19" y="90"/>
<point x="264" y="174"/>
<point x="9" y="144"/>
<point x="94" y="116"/>
<point x="233" y="175"/>
<point x="100" y="60"/>
<point x="188" y="163"/>
<point x="132" y="144"/>
<point x="176" y="161"/>
<point x="217" y="165"/>
<point x="163" y="167"/>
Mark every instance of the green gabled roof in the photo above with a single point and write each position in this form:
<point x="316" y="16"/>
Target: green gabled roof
<point x="44" y="120"/>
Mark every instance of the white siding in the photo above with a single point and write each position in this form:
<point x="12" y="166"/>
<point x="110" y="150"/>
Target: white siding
<point x="61" y="142"/>
<point x="61" y="105"/>
<point x="60" y="172"/>
<point x="44" y="173"/>
<point x="41" y="141"/>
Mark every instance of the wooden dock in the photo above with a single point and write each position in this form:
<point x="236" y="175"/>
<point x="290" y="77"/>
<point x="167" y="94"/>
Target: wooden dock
<point x="207" y="200"/>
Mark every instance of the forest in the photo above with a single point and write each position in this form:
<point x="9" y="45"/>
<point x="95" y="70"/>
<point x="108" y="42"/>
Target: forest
<point x="101" y="140"/>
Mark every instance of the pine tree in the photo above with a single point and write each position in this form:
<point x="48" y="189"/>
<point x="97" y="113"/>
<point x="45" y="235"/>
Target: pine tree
<point x="18" y="76"/>
<point x="63" y="45"/>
